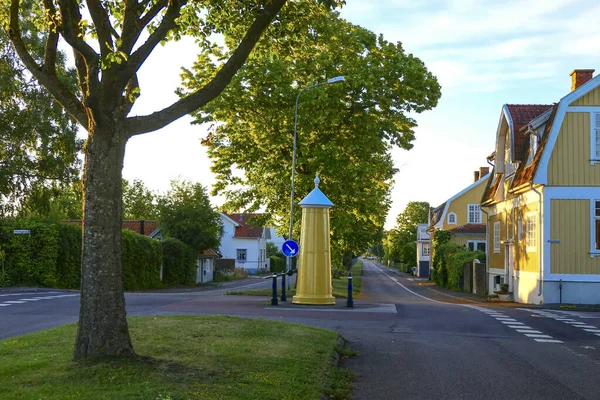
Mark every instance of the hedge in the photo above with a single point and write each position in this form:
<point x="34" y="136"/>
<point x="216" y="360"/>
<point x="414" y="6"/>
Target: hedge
<point x="179" y="263"/>
<point x="278" y="263"/>
<point x="142" y="258"/>
<point x="51" y="256"/>
<point x="449" y="259"/>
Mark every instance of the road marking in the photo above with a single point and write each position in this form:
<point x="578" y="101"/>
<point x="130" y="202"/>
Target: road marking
<point x="36" y="299"/>
<point x="548" y="341"/>
<point x="527" y="331"/>
<point x="596" y="330"/>
<point x="4" y="305"/>
<point x="512" y="323"/>
<point x="410" y="279"/>
<point x="505" y="319"/>
<point x="26" y="293"/>
<point x="14" y="302"/>
<point x="410" y="291"/>
<point x="537" y="335"/>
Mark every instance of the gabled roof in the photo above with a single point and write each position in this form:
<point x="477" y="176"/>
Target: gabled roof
<point x="436" y="215"/>
<point x="245" y="227"/>
<point x="444" y="207"/>
<point x="519" y="115"/>
<point x="525" y="173"/>
<point x="489" y="193"/>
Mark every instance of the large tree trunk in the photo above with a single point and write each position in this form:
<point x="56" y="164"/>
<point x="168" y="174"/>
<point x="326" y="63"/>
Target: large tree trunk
<point x="102" y="327"/>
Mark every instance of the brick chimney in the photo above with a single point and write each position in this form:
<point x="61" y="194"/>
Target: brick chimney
<point x="475" y="176"/>
<point x="580" y="76"/>
<point x="483" y="171"/>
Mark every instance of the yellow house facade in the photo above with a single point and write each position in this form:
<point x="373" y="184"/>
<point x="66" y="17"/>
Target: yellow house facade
<point x="461" y="214"/>
<point x="543" y="199"/>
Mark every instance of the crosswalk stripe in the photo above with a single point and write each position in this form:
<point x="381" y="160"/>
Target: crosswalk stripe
<point x="548" y="340"/>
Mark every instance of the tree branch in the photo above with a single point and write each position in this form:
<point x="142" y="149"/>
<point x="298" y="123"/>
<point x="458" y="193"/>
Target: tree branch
<point x="50" y="50"/>
<point x="103" y="26"/>
<point x="192" y="102"/>
<point x="133" y="27"/>
<point x="136" y="60"/>
<point x="47" y="79"/>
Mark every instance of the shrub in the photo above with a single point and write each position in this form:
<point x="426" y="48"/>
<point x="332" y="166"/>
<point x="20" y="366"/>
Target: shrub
<point x="179" y="263"/>
<point x="142" y="258"/>
<point x="68" y="260"/>
<point x="278" y="263"/>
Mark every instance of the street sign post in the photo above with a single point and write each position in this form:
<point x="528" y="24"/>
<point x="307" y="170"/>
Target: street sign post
<point x="290" y="248"/>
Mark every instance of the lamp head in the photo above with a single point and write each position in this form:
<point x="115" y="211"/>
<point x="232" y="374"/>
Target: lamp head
<point x="335" y="79"/>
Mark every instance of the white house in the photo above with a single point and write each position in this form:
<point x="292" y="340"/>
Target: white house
<point x="244" y="242"/>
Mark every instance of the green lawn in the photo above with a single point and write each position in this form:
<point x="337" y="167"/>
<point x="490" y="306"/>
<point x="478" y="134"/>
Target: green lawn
<point x="181" y="358"/>
<point x="340" y="286"/>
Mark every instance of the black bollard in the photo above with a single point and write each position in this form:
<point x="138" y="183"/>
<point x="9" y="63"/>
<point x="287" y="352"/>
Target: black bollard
<point x="274" y="297"/>
<point x="349" y="302"/>
<point x="283" y="296"/>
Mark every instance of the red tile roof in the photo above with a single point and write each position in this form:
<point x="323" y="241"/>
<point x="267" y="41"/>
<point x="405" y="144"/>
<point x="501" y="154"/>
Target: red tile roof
<point x="208" y="254"/>
<point x="247" y="228"/>
<point x="525" y="173"/>
<point x="521" y="115"/>
<point x="132" y="225"/>
<point x="470" y="228"/>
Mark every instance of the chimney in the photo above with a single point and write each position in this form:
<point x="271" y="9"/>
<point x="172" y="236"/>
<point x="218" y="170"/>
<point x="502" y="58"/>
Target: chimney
<point x="580" y="76"/>
<point x="475" y="176"/>
<point x="483" y="171"/>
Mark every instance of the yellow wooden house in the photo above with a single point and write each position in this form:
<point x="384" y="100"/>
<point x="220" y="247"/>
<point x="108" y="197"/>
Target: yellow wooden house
<point x="543" y="200"/>
<point x="461" y="214"/>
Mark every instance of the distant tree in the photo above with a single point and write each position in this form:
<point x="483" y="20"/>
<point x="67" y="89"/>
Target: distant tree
<point x="38" y="144"/>
<point x="54" y="202"/>
<point x="345" y="132"/>
<point x="186" y="214"/>
<point x="138" y="201"/>
<point x="405" y="231"/>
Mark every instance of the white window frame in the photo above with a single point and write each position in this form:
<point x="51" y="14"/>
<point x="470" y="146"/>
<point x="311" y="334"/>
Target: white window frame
<point x="450" y="222"/>
<point x="475" y="243"/>
<point x="531" y="231"/>
<point x="497" y="237"/>
<point x="594" y="211"/>
<point x="426" y="250"/>
<point x="238" y="252"/>
<point x="477" y="214"/>
<point x="594" y="135"/>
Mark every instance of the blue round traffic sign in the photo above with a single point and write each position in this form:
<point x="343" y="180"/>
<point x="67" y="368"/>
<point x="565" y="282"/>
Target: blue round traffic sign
<point x="290" y="248"/>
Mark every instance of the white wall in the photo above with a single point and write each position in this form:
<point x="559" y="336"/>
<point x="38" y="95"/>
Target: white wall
<point x="255" y="258"/>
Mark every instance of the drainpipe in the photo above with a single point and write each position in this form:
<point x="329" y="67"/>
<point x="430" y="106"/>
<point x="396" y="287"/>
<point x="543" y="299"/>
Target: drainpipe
<point x="487" y="250"/>
<point x="541" y="250"/>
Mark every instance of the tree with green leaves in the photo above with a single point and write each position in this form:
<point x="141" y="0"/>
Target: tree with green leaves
<point x="139" y="202"/>
<point x="186" y="214"/>
<point x="111" y="40"/>
<point x="404" y="234"/>
<point x="345" y="131"/>
<point x="38" y="143"/>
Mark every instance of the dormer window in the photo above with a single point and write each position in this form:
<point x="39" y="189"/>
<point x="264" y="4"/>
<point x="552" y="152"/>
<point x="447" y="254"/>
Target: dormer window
<point x="452" y="219"/>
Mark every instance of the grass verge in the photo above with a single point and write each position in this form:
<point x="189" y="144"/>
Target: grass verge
<point x="182" y="358"/>
<point x="340" y="286"/>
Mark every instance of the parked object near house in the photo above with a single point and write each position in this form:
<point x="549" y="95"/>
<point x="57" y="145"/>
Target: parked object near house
<point x="245" y="242"/>
<point x="205" y="266"/>
<point x="544" y="198"/>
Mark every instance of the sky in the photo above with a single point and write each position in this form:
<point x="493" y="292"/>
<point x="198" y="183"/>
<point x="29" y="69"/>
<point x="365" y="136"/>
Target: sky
<point x="484" y="54"/>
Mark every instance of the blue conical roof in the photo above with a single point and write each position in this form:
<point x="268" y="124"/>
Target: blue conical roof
<point x="316" y="198"/>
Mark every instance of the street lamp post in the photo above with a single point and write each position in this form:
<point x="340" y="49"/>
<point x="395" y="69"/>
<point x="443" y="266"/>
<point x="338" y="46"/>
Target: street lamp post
<point x="328" y="82"/>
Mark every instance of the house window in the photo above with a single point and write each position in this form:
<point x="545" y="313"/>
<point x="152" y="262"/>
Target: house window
<point x="497" y="237"/>
<point x="596" y="137"/>
<point x="597" y="224"/>
<point x="241" y="255"/>
<point x="530" y="231"/>
<point x="476" y="245"/>
<point x="452" y="218"/>
<point x="426" y="247"/>
<point x="474" y="214"/>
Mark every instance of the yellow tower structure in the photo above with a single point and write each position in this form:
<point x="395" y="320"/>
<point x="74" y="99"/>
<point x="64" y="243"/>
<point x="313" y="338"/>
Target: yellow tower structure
<point x="313" y="285"/>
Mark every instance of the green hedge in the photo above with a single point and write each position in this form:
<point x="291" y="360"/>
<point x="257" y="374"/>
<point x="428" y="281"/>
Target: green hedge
<point x="51" y="256"/>
<point x="179" y="263"/>
<point x="142" y="258"/>
<point x="278" y="263"/>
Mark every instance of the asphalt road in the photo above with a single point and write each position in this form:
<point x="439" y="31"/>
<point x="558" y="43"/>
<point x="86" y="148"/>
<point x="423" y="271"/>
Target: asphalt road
<point x="413" y="342"/>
